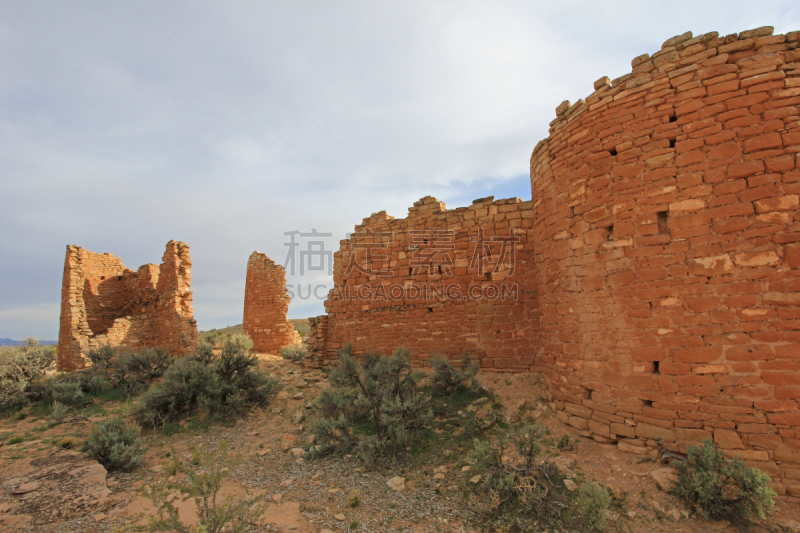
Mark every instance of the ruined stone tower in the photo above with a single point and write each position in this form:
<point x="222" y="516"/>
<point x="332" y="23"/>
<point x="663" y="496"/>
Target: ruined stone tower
<point x="266" y="303"/>
<point x="103" y="302"/>
<point x="667" y="238"/>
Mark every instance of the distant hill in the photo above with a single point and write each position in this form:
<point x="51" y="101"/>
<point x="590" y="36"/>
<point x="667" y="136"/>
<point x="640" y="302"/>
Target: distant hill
<point x="300" y="324"/>
<point x="10" y="342"/>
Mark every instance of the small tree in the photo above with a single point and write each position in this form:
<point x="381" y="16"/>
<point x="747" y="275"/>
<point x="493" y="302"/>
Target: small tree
<point x="723" y="488"/>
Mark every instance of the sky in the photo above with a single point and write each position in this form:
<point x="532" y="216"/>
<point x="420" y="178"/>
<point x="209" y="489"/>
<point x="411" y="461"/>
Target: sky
<point x="227" y="124"/>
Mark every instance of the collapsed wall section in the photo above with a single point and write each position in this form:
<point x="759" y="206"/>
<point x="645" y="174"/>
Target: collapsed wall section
<point x="266" y="304"/>
<point x="103" y="302"/>
<point x="438" y="282"/>
<point x="667" y="237"/>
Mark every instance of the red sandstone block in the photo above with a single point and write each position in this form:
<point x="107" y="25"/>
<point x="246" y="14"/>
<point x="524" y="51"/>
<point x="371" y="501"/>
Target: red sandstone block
<point x="781" y="203"/>
<point x="744" y="169"/>
<point x="765" y="191"/>
<point x="763" y="142"/>
<point x="704" y="354"/>
<point x="738" y="209"/>
<point x="792" y="257"/>
<point x="725" y="150"/>
<point x="791" y="419"/>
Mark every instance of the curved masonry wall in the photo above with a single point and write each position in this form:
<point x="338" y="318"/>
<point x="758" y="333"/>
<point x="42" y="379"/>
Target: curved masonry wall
<point x="667" y="238"/>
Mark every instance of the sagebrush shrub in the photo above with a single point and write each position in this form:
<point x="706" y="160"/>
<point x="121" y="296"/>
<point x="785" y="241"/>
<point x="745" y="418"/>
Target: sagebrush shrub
<point x="526" y="486"/>
<point x="101" y="357"/>
<point x="115" y="444"/>
<point x="449" y="379"/>
<point x="202" y="482"/>
<point x="296" y="353"/>
<point x="594" y="501"/>
<point x="379" y="392"/>
<point x="64" y="392"/>
<point x="20" y="367"/>
<point x="723" y="488"/>
<point x="217" y="386"/>
<point x="138" y="369"/>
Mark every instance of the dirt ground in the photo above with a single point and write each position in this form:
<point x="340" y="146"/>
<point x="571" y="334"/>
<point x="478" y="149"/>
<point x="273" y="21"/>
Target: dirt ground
<point x="44" y="488"/>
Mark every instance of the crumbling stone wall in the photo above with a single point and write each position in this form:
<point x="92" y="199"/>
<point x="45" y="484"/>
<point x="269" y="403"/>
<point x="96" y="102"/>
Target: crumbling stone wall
<point x="667" y="235"/>
<point x="439" y="282"/>
<point x="266" y="304"/>
<point x="103" y="302"/>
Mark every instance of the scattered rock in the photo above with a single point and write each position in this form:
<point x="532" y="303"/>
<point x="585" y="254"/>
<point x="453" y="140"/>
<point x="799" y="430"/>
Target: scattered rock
<point x="474" y="479"/>
<point x="298" y="417"/>
<point x="251" y="434"/>
<point x="277" y="497"/>
<point x="663" y="478"/>
<point x="613" y="489"/>
<point x="676" y="514"/>
<point x="287" y="442"/>
<point x="465" y="469"/>
<point x="790" y="525"/>
<point x="298" y="396"/>
<point x="571" y="485"/>
<point x="262" y="453"/>
<point x="298" y="452"/>
<point x="440" y="470"/>
<point x="631" y="514"/>
<point x="438" y="475"/>
<point x="282" y="395"/>
<point x="27" y="487"/>
<point x="720" y="524"/>
<point x="480" y="401"/>
<point x="286" y="482"/>
<point x="397" y="483"/>
<point x="340" y="517"/>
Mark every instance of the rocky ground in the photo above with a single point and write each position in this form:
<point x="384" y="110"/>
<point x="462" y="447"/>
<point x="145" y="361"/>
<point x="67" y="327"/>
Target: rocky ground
<point x="45" y="488"/>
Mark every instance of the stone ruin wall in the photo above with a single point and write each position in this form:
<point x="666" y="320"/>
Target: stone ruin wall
<point x="667" y="236"/>
<point x="266" y="303"/>
<point x="500" y="332"/>
<point x="103" y="302"/>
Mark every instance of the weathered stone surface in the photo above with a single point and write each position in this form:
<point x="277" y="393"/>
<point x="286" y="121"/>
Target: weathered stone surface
<point x="103" y="302"/>
<point x="663" y="478"/>
<point x="266" y="302"/>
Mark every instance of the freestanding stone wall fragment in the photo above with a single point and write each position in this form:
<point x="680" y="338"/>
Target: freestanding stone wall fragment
<point x="667" y="236"/>
<point x="103" y="302"/>
<point x="439" y="282"/>
<point x="266" y="303"/>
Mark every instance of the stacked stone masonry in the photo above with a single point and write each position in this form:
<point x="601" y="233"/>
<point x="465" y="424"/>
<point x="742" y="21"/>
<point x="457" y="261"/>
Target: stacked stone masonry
<point x="103" y="302"/>
<point x="266" y="303"/>
<point x="667" y="238"/>
<point x="438" y="282"/>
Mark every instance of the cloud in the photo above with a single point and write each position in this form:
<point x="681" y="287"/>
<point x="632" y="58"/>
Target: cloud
<point x="255" y="119"/>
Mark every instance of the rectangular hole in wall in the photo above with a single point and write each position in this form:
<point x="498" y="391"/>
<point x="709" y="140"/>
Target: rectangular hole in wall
<point x="610" y="233"/>
<point x="613" y="151"/>
<point x="662" y="222"/>
<point x="672" y="143"/>
<point x="673" y="118"/>
<point x="656" y="369"/>
<point x="648" y="403"/>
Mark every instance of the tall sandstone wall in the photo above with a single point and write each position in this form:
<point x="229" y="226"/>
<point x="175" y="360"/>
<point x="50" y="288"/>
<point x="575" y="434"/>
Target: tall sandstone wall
<point x="667" y="238"/>
<point x="103" y="302"/>
<point x="266" y="304"/>
<point x="434" y="282"/>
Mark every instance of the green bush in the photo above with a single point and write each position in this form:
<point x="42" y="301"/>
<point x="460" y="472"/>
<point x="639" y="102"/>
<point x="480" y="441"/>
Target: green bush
<point x="20" y="367"/>
<point x="115" y="444"/>
<point x="138" y="369"/>
<point x="379" y="394"/>
<point x="723" y="488"/>
<point x="448" y="379"/>
<point x="296" y="353"/>
<point x="64" y="392"/>
<point x="101" y="357"/>
<point x="216" y="386"/>
<point x="202" y="482"/>
<point x="594" y="502"/>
